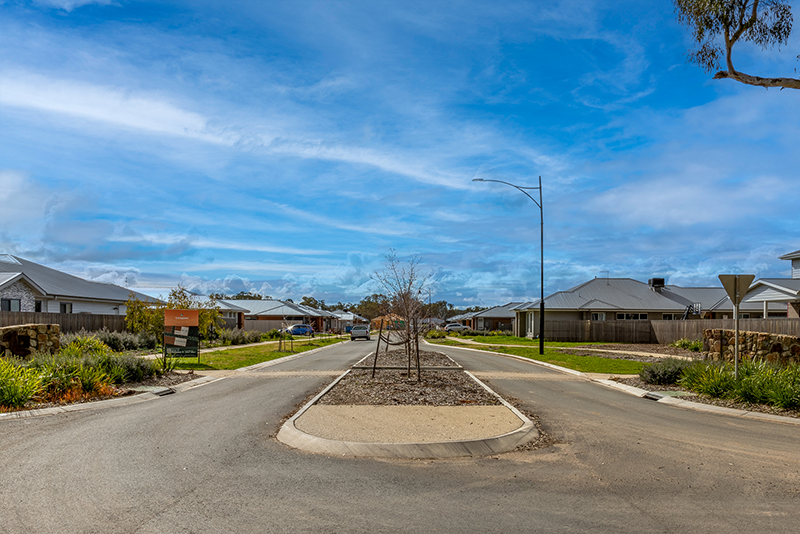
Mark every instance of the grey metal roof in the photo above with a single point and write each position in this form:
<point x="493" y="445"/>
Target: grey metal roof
<point x="626" y="294"/>
<point x="505" y="311"/>
<point x="227" y="305"/>
<point x="347" y="316"/>
<point x="269" y="307"/>
<point x="790" y="256"/>
<point x="62" y="285"/>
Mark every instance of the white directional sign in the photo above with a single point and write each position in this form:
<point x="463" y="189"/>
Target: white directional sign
<point x="736" y="285"/>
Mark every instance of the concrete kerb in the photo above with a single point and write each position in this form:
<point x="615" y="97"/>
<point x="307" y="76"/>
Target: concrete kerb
<point x="141" y="397"/>
<point x="643" y="393"/>
<point x="290" y="435"/>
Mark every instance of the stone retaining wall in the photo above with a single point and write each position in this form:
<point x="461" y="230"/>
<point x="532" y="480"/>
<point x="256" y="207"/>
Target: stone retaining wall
<point x="777" y="348"/>
<point x="22" y="339"/>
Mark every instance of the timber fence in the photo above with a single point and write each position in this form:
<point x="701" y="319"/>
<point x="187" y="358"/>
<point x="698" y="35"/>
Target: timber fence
<point x="70" y="322"/>
<point x="658" y="331"/>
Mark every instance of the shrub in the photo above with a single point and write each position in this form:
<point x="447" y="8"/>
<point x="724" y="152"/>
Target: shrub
<point x="755" y="381"/>
<point x="116" y="341"/>
<point x="785" y="390"/>
<point x="239" y="337"/>
<point x="665" y="372"/>
<point x="694" y="345"/>
<point x="17" y="384"/>
<point x="435" y="334"/>
<point x="277" y="334"/>
<point x="715" y="380"/>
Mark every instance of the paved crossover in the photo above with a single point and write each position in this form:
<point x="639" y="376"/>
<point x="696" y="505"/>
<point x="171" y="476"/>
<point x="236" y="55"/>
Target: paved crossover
<point x="205" y="461"/>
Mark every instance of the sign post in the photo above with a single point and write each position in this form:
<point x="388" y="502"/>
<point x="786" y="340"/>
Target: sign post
<point x="181" y="334"/>
<point x="736" y="285"/>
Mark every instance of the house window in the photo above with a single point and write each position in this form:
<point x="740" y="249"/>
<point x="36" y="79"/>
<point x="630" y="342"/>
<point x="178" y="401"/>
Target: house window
<point x="631" y="316"/>
<point x="670" y="316"/>
<point x="480" y="323"/>
<point x="598" y="316"/>
<point x="744" y="316"/>
<point x="38" y="306"/>
<point x="9" y="305"/>
<point x="65" y="307"/>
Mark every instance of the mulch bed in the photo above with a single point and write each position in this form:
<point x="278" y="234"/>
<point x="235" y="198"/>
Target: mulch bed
<point x="392" y="387"/>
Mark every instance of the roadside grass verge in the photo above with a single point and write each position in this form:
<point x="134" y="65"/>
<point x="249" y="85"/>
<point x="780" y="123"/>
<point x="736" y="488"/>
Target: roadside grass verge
<point x="229" y="360"/>
<point x="513" y="340"/>
<point x="584" y="364"/>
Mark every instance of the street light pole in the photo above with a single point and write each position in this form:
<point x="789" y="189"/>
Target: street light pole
<point x="525" y="190"/>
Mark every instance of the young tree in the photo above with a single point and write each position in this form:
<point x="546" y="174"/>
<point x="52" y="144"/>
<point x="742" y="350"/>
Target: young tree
<point x="405" y="282"/>
<point x="763" y="22"/>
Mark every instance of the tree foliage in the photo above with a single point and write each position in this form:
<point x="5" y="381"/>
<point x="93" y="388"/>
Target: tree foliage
<point x="241" y="295"/>
<point x="717" y="25"/>
<point x="149" y="316"/>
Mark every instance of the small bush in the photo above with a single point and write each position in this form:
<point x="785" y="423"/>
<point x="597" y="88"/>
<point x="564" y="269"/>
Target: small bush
<point x="239" y="337"/>
<point x="17" y="384"/>
<point x="665" y="372"/>
<point x="785" y="390"/>
<point x="116" y="341"/>
<point x="435" y="334"/>
<point x="694" y="345"/>
<point x="715" y="380"/>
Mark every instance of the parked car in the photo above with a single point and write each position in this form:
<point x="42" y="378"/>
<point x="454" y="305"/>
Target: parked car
<point x="300" y="330"/>
<point x="454" y="327"/>
<point x="358" y="331"/>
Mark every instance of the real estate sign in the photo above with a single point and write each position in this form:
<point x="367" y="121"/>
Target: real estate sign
<point x="181" y="333"/>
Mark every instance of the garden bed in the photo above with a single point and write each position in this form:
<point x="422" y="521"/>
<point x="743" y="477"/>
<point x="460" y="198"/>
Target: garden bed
<point x="396" y="387"/>
<point x="705" y="399"/>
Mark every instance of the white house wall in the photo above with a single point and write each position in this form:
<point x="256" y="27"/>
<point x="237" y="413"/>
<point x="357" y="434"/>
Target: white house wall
<point x="96" y="308"/>
<point x="769" y="294"/>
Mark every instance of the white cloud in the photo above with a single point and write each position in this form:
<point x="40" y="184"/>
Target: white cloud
<point x="112" y="105"/>
<point x="69" y="5"/>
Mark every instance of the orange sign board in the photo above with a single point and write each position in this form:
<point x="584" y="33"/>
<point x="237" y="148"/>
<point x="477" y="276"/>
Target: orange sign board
<point x="181" y="317"/>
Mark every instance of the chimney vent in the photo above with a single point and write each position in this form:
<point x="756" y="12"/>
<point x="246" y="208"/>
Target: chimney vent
<point x="656" y="284"/>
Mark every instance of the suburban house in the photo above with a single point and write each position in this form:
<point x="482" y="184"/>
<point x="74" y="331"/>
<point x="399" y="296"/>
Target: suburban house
<point x="268" y="314"/>
<point x="348" y="319"/>
<point x="26" y="286"/>
<point x="495" y="318"/>
<point x="625" y="299"/>
<point x="783" y="292"/>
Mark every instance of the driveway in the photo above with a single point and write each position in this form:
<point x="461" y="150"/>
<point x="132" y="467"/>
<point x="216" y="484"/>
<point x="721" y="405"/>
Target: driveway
<point x="205" y="461"/>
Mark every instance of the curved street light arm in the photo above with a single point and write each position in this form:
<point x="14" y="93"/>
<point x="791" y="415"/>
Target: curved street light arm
<point x="541" y="214"/>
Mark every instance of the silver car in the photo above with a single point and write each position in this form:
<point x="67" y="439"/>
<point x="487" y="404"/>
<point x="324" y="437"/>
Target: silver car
<point x="359" y="331"/>
<point x="454" y="327"/>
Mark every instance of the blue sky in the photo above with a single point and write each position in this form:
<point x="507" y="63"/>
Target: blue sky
<point x="285" y="146"/>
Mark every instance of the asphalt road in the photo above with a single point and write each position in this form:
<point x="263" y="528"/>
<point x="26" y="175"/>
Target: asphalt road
<point x="206" y="461"/>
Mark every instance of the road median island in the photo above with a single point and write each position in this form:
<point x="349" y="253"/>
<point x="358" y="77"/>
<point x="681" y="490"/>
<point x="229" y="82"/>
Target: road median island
<point x="446" y="413"/>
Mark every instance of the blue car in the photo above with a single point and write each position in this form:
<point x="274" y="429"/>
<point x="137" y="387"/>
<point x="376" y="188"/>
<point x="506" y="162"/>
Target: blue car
<point x="300" y="330"/>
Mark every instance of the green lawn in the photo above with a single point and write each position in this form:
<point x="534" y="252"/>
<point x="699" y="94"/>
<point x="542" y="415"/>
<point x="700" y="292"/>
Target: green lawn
<point x="513" y="340"/>
<point x="584" y="364"/>
<point x="236" y="358"/>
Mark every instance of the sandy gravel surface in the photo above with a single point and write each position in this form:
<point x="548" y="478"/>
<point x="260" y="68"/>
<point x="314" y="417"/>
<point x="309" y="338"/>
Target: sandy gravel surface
<point x="407" y="424"/>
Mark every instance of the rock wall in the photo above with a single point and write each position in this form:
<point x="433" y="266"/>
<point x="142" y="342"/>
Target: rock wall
<point x="23" y="339"/>
<point x="777" y="348"/>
